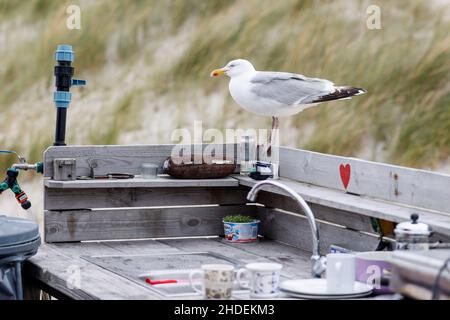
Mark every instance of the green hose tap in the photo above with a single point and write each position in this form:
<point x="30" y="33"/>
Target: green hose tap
<point x="12" y="173"/>
<point x="3" y="187"/>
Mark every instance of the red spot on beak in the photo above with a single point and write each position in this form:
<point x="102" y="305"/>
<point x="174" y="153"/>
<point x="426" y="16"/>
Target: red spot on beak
<point x="217" y="72"/>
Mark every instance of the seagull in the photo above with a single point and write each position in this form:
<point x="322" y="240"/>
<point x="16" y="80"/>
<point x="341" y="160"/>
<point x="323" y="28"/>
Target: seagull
<point x="279" y="94"/>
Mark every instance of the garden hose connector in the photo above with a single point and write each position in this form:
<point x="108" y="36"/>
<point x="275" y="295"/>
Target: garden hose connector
<point x="16" y="189"/>
<point x="12" y="173"/>
<point x="40" y="167"/>
<point x="10" y="182"/>
<point x="62" y="96"/>
<point x="22" y="198"/>
<point x="3" y="186"/>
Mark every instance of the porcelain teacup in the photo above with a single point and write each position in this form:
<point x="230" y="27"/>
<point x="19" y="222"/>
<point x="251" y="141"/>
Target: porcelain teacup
<point x="263" y="279"/>
<point x="217" y="281"/>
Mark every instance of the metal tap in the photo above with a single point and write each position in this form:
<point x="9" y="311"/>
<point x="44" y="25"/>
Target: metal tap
<point x="318" y="262"/>
<point x="12" y="174"/>
<point x="22" y="160"/>
<point x="23" y="164"/>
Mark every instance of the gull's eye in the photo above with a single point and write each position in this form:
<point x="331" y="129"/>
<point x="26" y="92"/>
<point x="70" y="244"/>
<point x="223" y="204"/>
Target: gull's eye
<point x="231" y="65"/>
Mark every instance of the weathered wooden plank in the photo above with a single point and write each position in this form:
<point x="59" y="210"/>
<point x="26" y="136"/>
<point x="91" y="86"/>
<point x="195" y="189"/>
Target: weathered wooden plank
<point x="213" y="245"/>
<point x="138" y="223"/>
<point x="294" y="230"/>
<point x="69" y="199"/>
<point x="160" y="182"/>
<point x="111" y="248"/>
<point x="296" y="262"/>
<point x="143" y="246"/>
<point x="348" y="219"/>
<point x="351" y="220"/>
<point x="414" y="187"/>
<point x="85" y="248"/>
<point x="125" y="159"/>
<point x="60" y="271"/>
<point x="389" y="211"/>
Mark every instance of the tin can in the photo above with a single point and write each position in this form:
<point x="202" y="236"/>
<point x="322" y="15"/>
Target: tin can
<point x="241" y="232"/>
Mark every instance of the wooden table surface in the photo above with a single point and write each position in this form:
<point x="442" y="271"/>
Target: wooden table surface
<point x="57" y="265"/>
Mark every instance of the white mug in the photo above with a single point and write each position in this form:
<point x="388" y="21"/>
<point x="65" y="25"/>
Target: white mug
<point x="216" y="281"/>
<point x="263" y="279"/>
<point x="340" y="272"/>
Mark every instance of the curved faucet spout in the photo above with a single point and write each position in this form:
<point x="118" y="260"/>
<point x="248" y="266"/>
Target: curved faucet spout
<point x="318" y="261"/>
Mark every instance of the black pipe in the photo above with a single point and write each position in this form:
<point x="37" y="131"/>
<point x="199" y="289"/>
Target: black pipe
<point x="63" y="81"/>
<point x="60" y="134"/>
<point x="62" y="97"/>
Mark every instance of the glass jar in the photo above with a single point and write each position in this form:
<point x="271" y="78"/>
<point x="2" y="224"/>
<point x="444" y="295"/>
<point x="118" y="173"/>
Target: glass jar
<point x="247" y="154"/>
<point x="149" y="171"/>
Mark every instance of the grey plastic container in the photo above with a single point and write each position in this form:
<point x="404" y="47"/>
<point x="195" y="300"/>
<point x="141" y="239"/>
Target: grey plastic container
<point x="19" y="240"/>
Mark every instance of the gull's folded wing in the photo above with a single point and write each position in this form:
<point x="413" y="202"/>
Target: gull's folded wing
<point x="289" y="88"/>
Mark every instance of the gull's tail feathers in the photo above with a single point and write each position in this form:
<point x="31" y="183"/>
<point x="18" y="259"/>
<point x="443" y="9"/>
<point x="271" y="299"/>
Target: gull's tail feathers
<point x="341" y="93"/>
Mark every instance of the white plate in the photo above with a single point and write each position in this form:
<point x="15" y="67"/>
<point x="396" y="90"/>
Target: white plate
<point x="323" y="297"/>
<point x="317" y="288"/>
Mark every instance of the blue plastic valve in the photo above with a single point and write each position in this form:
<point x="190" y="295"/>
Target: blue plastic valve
<point x="64" y="52"/>
<point x="65" y="56"/>
<point x="78" y="82"/>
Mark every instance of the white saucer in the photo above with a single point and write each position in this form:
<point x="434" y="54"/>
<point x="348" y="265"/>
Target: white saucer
<point x="317" y="289"/>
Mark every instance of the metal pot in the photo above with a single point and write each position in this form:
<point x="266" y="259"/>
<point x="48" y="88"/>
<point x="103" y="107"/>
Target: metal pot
<point x="413" y="235"/>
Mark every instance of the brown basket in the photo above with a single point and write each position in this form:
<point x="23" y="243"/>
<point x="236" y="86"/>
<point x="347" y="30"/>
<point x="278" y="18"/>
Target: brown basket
<point x="183" y="168"/>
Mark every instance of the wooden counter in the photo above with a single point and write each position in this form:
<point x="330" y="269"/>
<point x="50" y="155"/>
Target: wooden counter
<point x="56" y="266"/>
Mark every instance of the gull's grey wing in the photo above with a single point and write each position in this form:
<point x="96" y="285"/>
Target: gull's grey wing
<point x="289" y="88"/>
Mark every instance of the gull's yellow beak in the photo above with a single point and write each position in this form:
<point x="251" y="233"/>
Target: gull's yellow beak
<point x="218" y="72"/>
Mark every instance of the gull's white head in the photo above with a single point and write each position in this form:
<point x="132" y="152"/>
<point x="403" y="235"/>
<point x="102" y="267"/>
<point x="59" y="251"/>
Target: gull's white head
<point x="234" y="68"/>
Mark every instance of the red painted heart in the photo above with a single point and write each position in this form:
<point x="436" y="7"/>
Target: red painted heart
<point x="345" y="171"/>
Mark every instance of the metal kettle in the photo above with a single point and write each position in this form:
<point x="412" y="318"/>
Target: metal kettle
<point x="413" y="235"/>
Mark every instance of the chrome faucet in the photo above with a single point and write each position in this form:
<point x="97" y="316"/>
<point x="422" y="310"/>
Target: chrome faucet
<point x="318" y="261"/>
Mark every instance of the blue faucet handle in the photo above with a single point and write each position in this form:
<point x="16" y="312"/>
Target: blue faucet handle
<point x="78" y="82"/>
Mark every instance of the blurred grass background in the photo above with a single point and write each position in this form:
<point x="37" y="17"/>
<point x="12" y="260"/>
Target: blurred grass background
<point x="147" y="64"/>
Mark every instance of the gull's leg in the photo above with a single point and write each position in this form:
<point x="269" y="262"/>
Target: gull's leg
<point x="275" y="125"/>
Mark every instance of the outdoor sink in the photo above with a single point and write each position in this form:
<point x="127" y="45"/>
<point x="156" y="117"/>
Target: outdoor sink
<point x="182" y="287"/>
<point x="169" y="266"/>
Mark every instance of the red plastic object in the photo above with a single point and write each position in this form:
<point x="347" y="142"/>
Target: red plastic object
<point x="153" y="282"/>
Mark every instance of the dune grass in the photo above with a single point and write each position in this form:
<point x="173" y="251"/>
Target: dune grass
<point x="405" y="66"/>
